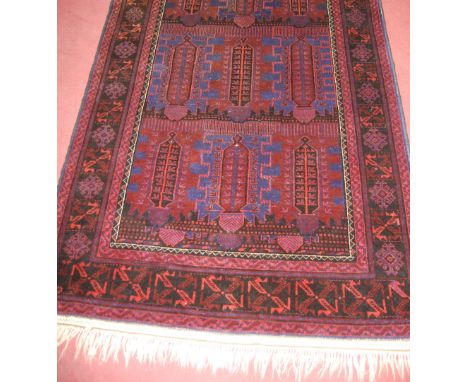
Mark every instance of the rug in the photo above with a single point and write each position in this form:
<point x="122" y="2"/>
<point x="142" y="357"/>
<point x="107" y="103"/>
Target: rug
<point x="237" y="190"/>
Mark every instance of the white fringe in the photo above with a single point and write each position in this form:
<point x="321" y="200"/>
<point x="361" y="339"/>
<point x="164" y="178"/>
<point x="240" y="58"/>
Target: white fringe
<point x="284" y="355"/>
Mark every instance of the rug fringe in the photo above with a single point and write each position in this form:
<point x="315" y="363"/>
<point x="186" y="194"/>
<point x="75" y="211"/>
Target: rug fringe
<point x="284" y="355"/>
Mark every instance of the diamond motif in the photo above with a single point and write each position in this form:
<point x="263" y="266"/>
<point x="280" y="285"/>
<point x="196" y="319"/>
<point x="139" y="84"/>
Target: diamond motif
<point x="125" y="49"/>
<point x="77" y="245"/>
<point x="361" y="52"/>
<point x="134" y="15"/>
<point x="382" y="194"/>
<point x="375" y="140"/>
<point x="103" y="135"/>
<point x="356" y="17"/>
<point x="368" y="93"/>
<point x="389" y="259"/>
<point x="91" y="186"/>
<point x="115" y="90"/>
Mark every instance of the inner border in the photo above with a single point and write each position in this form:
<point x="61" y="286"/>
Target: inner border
<point x="249" y="255"/>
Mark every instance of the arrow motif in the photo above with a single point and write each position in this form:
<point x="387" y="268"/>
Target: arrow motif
<point x="386" y="170"/>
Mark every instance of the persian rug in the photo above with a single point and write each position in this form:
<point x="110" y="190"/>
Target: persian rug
<point x="236" y="191"/>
